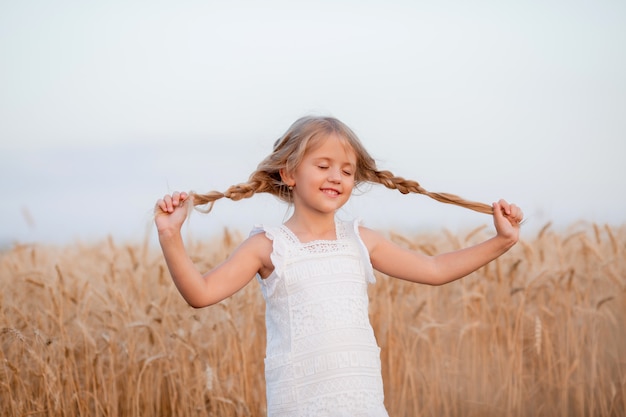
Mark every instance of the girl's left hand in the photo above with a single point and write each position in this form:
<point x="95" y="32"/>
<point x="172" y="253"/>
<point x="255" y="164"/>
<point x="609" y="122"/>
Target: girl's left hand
<point x="507" y="219"/>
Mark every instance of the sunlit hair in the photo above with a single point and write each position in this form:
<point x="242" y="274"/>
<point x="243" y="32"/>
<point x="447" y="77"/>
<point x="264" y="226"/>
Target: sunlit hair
<point x="289" y="150"/>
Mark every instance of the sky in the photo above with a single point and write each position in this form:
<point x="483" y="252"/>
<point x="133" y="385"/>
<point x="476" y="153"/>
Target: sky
<point x="107" y="106"/>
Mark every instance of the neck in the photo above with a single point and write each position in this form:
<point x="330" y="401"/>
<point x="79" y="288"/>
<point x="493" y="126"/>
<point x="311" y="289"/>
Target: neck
<point x="312" y="226"/>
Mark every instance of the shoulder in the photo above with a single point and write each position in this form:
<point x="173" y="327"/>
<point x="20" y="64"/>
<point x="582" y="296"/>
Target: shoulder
<point x="260" y="245"/>
<point x="370" y="238"/>
<point x="258" y="242"/>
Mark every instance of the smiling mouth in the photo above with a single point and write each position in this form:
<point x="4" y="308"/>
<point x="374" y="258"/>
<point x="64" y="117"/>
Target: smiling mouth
<point x="330" y="192"/>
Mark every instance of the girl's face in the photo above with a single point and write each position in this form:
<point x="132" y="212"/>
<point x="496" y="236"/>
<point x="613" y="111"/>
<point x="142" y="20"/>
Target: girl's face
<point x="324" y="179"/>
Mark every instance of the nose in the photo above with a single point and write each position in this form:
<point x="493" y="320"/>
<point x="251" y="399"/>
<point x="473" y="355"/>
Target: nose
<point x="334" y="175"/>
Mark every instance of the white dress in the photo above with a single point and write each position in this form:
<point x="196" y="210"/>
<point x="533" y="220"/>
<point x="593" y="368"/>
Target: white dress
<point x="322" y="358"/>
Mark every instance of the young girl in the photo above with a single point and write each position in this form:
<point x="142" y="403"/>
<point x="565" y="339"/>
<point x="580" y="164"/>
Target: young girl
<point x="322" y="358"/>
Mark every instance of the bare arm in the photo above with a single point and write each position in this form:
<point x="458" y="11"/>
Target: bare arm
<point x="393" y="260"/>
<point x="250" y="258"/>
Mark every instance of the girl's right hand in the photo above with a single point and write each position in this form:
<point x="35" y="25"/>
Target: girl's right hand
<point x="171" y="211"/>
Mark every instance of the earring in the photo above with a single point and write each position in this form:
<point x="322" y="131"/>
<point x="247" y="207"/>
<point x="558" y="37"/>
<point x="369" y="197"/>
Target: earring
<point x="290" y="187"/>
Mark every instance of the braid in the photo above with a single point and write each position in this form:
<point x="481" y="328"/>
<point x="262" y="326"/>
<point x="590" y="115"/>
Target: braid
<point x="259" y="182"/>
<point x="405" y="186"/>
<point x="204" y="199"/>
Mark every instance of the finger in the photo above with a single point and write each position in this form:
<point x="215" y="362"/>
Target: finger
<point x="182" y="198"/>
<point x="164" y="205"/>
<point x="515" y="213"/>
<point x="179" y="198"/>
<point x="169" y="205"/>
<point x="498" y="210"/>
<point x="160" y="206"/>
<point x="519" y="215"/>
<point x="516" y="217"/>
<point x="506" y="207"/>
<point x="175" y="198"/>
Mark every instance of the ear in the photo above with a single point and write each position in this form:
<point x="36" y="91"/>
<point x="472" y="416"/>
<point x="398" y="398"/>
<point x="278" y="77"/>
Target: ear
<point x="287" y="177"/>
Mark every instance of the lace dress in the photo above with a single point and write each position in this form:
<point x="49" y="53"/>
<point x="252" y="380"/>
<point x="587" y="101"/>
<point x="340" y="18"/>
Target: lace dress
<point x="322" y="358"/>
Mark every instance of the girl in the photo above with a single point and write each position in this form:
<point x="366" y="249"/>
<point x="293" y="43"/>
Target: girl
<point x="322" y="358"/>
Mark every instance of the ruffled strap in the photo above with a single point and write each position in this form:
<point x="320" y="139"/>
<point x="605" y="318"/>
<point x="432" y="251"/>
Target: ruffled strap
<point x="279" y="248"/>
<point x="365" y="255"/>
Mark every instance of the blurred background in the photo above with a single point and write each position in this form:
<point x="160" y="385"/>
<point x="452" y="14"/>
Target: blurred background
<point x="105" y="107"/>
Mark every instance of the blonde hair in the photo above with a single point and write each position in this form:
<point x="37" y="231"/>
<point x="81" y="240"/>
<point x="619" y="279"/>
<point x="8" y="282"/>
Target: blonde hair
<point x="289" y="150"/>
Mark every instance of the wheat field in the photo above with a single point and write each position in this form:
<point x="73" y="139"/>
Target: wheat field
<point x="100" y="330"/>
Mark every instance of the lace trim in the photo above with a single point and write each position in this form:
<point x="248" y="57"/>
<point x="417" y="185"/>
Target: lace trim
<point x="278" y="256"/>
<point x="369" y="269"/>
<point x="319" y="246"/>
<point x="280" y="248"/>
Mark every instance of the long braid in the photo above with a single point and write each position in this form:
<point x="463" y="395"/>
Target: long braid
<point x="405" y="186"/>
<point x="259" y="182"/>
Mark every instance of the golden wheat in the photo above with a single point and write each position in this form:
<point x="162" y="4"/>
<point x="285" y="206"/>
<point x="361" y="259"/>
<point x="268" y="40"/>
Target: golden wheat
<point x="100" y="330"/>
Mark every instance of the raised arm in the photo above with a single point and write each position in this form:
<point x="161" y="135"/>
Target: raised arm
<point x="199" y="290"/>
<point x="396" y="261"/>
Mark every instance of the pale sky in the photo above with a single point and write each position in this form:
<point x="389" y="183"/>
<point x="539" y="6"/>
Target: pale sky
<point x="105" y="107"/>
